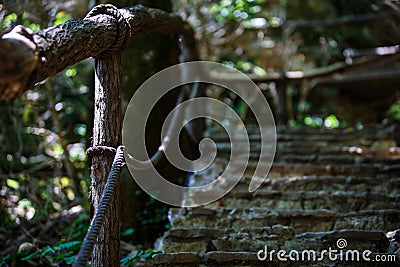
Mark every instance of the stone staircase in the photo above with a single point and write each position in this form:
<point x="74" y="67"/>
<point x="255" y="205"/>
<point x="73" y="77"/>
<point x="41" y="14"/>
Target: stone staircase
<point x="327" y="189"/>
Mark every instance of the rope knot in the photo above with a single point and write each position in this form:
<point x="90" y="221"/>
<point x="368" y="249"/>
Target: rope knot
<point x="101" y="150"/>
<point x="123" y="28"/>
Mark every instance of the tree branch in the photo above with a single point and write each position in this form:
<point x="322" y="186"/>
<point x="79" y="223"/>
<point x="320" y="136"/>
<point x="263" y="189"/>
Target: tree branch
<point x="340" y="21"/>
<point x="338" y="79"/>
<point x="29" y="58"/>
<point x="355" y="64"/>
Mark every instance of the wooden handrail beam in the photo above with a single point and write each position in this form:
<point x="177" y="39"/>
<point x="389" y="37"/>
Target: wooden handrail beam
<point x="28" y="58"/>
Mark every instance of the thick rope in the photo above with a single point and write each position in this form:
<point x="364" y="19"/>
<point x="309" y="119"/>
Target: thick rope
<point x="171" y="131"/>
<point x="123" y="28"/>
<point x="104" y="204"/>
<point x="172" y="127"/>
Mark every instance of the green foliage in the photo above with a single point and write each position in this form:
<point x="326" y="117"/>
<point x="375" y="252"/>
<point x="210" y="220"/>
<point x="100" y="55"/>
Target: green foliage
<point x="63" y="253"/>
<point x="140" y="256"/>
<point x="13" y="18"/>
<point x="394" y="110"/>
<point x="62" y="17"/>
<point x="8" y="21"/>
<point x="128" y="232"/>
<point x="43" y="164"/>
<point x="36" y="144"/>
<point x="152" y="214"/>
<point x="316" y="121"/>
<point x="12" y="183"/>
<point x="236" y="10"/>
<point x="78" y="228"/>
<point x="331" y="122"/>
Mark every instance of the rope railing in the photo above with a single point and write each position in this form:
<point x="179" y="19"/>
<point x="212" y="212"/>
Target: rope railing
<point x="119" y="160"/>
<point x="171" y="131"/>
<point x="98" y="219"/>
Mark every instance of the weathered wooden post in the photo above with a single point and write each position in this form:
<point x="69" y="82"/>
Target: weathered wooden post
<point x="107" y="132"/>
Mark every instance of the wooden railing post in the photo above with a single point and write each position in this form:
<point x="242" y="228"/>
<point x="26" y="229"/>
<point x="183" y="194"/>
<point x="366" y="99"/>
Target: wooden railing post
<point x="106" y="132"/>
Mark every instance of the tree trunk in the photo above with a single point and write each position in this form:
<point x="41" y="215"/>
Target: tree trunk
<point x="106" y="132"/>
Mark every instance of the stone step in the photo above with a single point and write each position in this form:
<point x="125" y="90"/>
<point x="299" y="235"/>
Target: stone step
<point x="375" y="143"/>
<point x="385" y="185"/>
<point x="366" y="130"/>
<point x="309" y="169"/>
<point x="375" y="241"/>
<point x="301" y="139"/>
<point x="324" y="186"/>
<point x="315" y="151"/>
<point x="303" y="200"/>
<point x="356" y="152"/>
<point x="277" y="237"/>
<point x="177" y="259"/>
<point x="205" y="239"/>
<point x="299" y="220"/>
<point x="390" y="152"/>
<point x="370" y="130"/>
<point x="380" y="148"/>
<point x="223" y="258"/>
<point x="320" y="158"/>
<point x="334" y="159"/>
<point x="346" y="176"/>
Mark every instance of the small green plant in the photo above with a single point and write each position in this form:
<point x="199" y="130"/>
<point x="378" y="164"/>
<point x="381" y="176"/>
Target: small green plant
<point x="140" y="256"/>
<point x="61" y="252"/>
<point x="394" y="110"/>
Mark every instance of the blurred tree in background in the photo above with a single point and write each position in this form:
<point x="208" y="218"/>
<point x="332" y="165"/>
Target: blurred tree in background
<point x="271" y="37"/>
<point x="44" y="133"/>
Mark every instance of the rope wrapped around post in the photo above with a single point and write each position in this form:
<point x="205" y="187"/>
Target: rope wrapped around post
<point x="124" y="28"/>
<point x="101" y="150"/>
<point x="98" y="219"/>
<point x="103" y="241"/>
